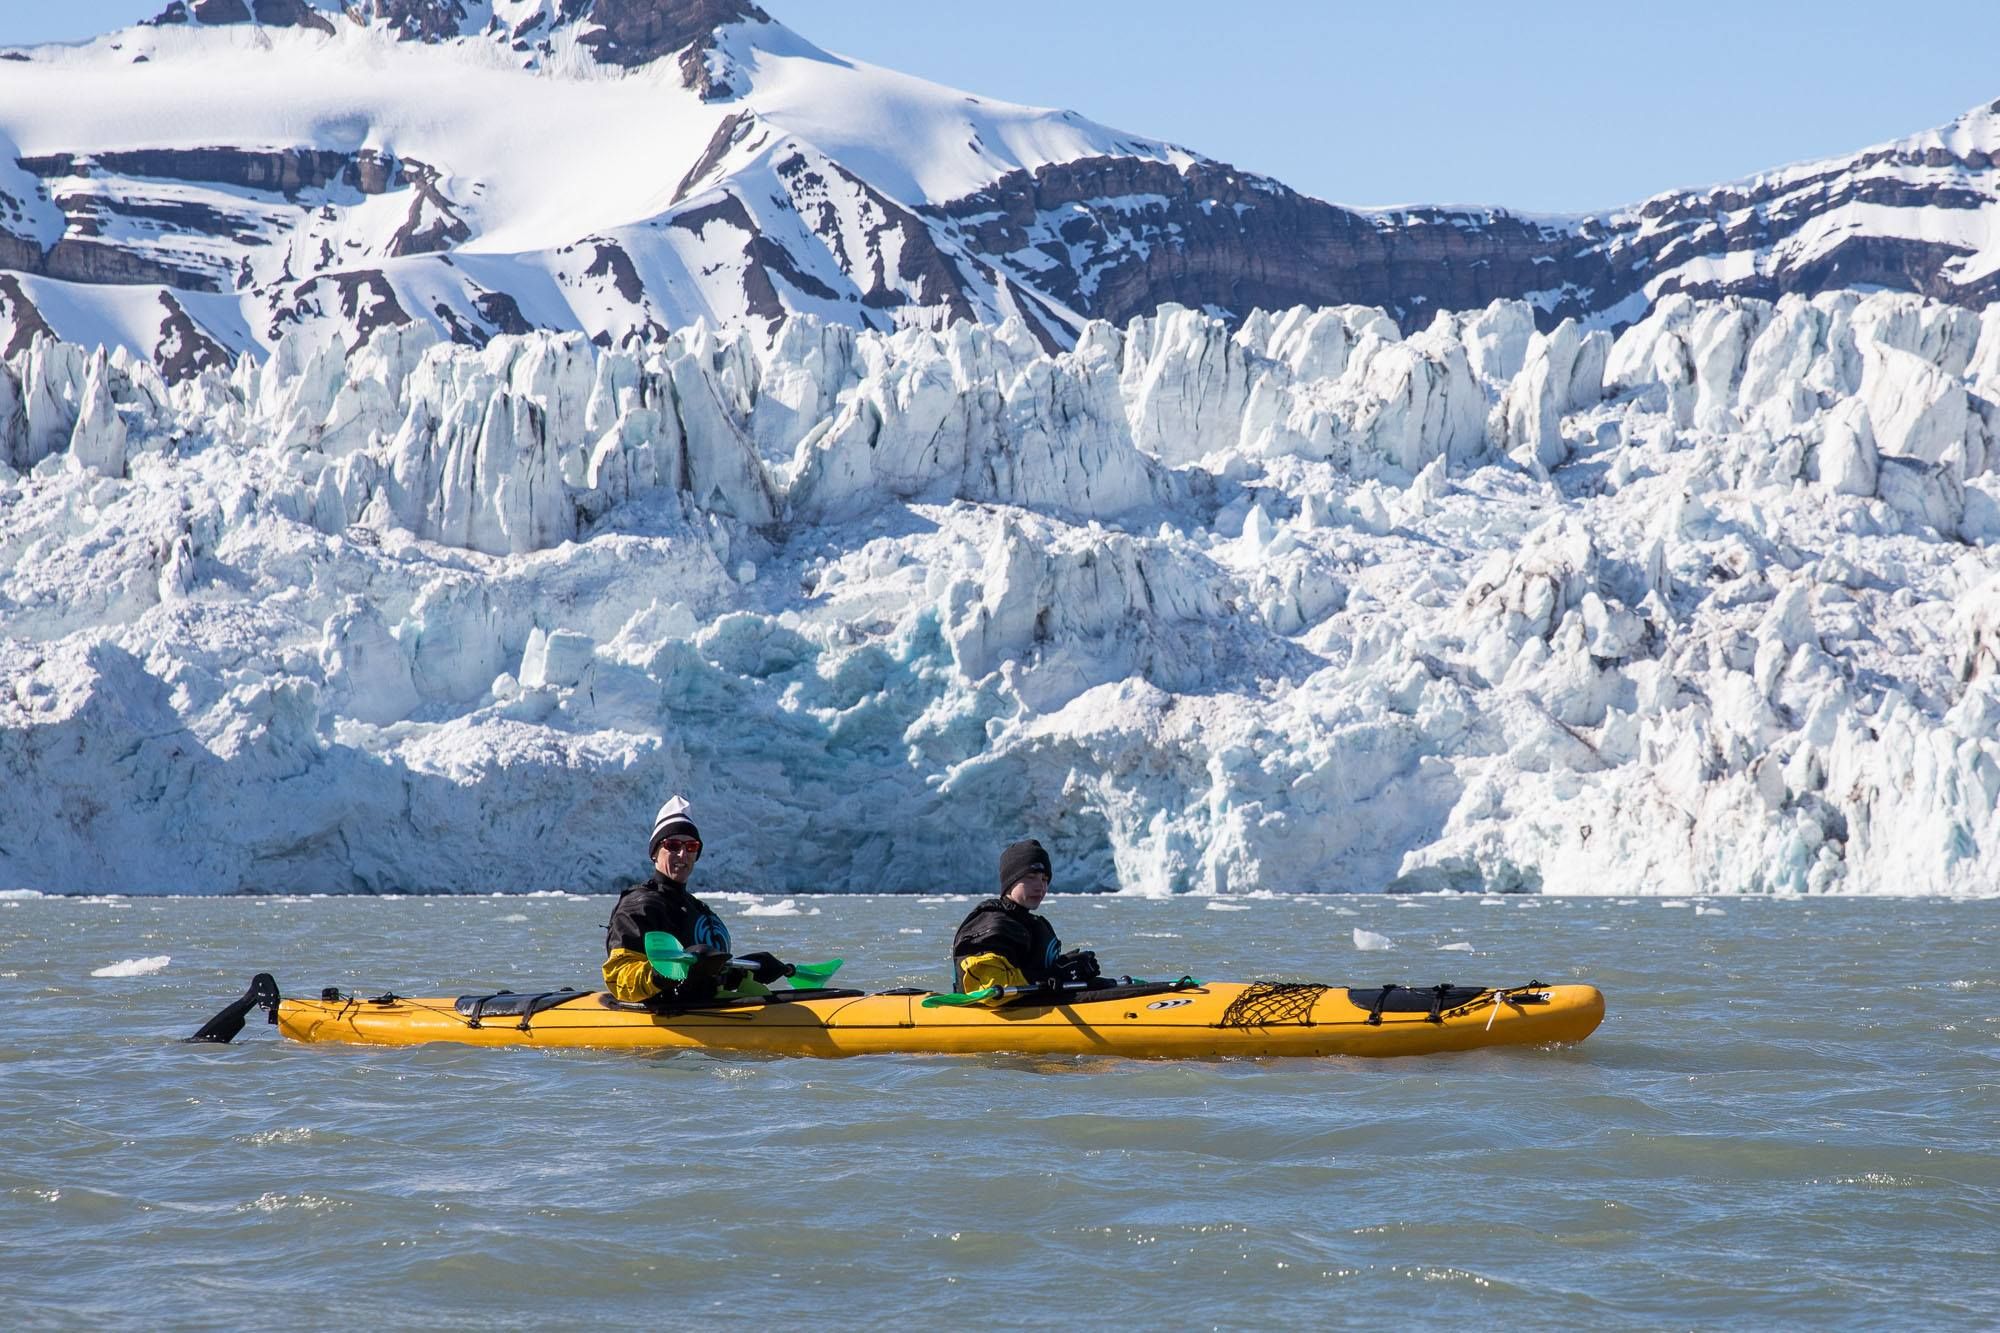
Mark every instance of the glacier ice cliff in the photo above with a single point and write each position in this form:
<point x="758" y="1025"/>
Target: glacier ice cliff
<point x="1710" y="606"/>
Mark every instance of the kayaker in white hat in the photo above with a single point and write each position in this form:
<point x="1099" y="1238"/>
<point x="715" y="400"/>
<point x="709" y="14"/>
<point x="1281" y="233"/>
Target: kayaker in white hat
<point x="663" y="903"/>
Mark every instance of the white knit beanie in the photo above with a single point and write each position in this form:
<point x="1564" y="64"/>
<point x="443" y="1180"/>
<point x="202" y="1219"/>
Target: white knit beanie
<point x="673" y="821"/>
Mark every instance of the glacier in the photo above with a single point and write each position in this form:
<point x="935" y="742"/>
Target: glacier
<point x="1710" y="605"/>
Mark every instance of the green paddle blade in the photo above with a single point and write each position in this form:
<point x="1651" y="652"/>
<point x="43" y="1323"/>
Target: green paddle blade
<point x="667" y="956"/>
<point x="808" y="976"/>
<point x="970" y="997"/>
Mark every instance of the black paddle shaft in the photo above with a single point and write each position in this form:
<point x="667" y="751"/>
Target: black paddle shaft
<point x="227" y="1023"/>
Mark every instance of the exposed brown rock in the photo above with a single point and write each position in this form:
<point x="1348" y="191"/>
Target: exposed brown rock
<point x="759" y="297"/>
<point x="285" y="171"/>
<point x="1219" y="237"/>
<point x="289" y="14"/>
<point x="503" y="312"/>
<point x="20" y="315"/>
<point x="924" y="275"/>
<point x="363" y="299"/>
<point x="185" y="348"/>
<point x="416" y="20"/>
<point x="637" y="32"/>
<point x="433" y="223"/>
<point x="727" y="135"/>
<point x="78" y="259"/>
<point x="611" y="261"/>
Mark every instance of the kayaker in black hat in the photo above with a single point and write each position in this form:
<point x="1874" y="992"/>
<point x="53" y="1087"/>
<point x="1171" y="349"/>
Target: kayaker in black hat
<point x="664" y="903"/>
<point x="1002" y="942"/>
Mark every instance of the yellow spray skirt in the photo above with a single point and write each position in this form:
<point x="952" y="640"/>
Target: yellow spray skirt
<point x="1199" y="1021"/>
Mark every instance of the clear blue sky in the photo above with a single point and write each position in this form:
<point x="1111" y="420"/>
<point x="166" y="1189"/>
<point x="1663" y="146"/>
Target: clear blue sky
<point x="1552" y="106"/>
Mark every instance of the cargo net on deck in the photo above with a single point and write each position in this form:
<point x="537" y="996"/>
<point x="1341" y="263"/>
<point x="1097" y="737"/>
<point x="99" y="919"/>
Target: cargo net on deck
<point x="1264" y="1004"/>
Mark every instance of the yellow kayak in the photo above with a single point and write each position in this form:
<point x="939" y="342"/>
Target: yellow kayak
<point x="1164" y="1020"/>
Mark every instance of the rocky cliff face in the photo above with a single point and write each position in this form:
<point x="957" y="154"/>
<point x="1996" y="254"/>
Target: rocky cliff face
<point x="723" y="202"/>
<point x="1117" y="237"/>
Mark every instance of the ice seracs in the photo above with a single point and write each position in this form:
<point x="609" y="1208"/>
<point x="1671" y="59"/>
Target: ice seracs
<point x="1707" y="606"/>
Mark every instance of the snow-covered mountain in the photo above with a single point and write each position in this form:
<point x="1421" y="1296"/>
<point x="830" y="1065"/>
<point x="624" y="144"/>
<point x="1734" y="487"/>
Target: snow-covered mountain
<point x="701" y="411"/>
<point x="242" y="169"/>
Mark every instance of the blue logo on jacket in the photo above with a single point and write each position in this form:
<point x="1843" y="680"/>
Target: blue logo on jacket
<point x="711" y="933"/>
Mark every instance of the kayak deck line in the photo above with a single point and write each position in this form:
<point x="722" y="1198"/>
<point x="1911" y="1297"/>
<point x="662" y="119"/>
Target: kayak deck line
<point x="1166" y="1020"/>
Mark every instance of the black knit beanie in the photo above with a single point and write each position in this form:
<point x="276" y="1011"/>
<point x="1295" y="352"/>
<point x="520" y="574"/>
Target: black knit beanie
<point x="1019" y="859"/>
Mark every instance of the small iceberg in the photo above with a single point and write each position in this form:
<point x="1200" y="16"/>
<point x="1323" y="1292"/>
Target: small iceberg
<point x="135" y="967"/>
<point x="1369" y="942"/>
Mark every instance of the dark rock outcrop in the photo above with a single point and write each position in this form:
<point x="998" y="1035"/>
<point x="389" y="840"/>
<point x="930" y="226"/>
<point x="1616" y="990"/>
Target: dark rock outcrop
<point x="760" y="298"/>
<point x="19" y="316"/>
<point x="287" y="171"/>
<point x="185" y="348"/>
<point x="364" y="301"/>
<point x="637" y="32"/>
<point x="272" y="13"/>
<point x="624" y="33"/>
<point x="433" y="224"/>
<point x="1127" y="234"/>
<point x="1210" y="236"/>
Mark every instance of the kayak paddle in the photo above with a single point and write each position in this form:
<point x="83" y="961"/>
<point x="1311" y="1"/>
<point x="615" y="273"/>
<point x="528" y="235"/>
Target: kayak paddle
<point x="1000" y="992"/>
<point x="968" y="997"/>
<point x="226" y="1024"/>
<point x="673" y="961"/>
<point x="811" y="976"/>
<point x="667" y="956"/>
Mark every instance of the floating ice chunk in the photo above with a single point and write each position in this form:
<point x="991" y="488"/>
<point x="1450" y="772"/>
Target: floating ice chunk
<point x="513" y="917"/>
<point x="785" y="907"/>
<point x="1456" y="946"/>
<point x="1699" y="910"/>
<point x="1218" y="906"/>
<point x="135" y="967"/>
<point x="1369" y="942"/>
<point x="910" y="930"/>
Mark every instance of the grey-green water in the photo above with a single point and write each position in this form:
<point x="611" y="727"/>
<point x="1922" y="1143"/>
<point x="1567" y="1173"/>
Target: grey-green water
<point x="1788" y="1118"/>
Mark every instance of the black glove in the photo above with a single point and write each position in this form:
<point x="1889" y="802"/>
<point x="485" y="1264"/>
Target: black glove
<point x="706" y="975"/>
<point x="764" y="967"/>
<point x="1078" y="967"/>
